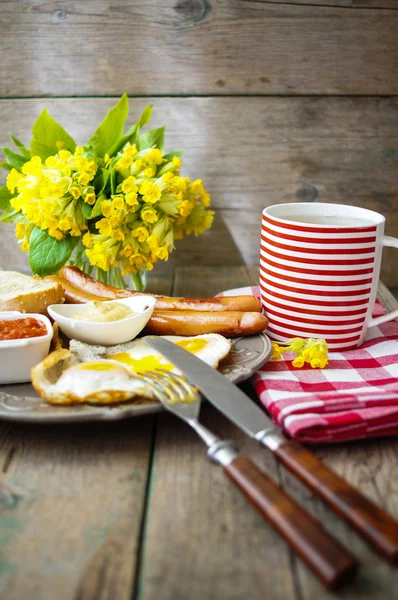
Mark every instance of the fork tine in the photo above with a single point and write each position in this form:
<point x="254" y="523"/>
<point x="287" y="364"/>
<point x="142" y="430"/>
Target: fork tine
<point x="185" y="388"/>
<point x="157" y="389"/>
<point x="169" y="387"/>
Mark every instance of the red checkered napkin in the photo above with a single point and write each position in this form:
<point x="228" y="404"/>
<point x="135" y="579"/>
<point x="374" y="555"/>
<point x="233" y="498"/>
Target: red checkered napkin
<point x="354" y="397"/>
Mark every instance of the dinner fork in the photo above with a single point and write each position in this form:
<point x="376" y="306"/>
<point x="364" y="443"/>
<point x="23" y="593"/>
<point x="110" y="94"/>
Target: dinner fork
<point x="326" y="557"/>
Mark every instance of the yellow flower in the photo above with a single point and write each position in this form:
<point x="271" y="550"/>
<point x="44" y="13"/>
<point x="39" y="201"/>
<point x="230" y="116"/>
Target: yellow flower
<point x="124" y="163"/>
<point x="87" y="240"/>
<point x="153" y="241"/>
<point x="118" y="202"/>
<point x="75" y="192"/>
<point x="176" y="162"/>
<point x="12" y="180"/>
<point x="64" y="155"/>
<point x="90" y="198"/>
<point x="128" y="185"/>
<point x="106" y="208"/>
<point x="117" y="234"/>
<point x="149" y="215"/>
<point x="20" y="229"/>
<point x="298" y="361"/>
<point x="276" y="351"/>
<point x="126" y="251"/>
<point x="141" y="233"/>
<point x="155" y="156"/>
<point x="131" y="150"/>
<point x="56" y="233"/>
<point x="200" y="193"/>
<point x="104" y="226"/>
<point x="79" y="150"/>
<point x="148" y="173"/>
<point x="150" y="192"/>
<point x="162" y="253"/>
<point x="312" y="351"/>
<point x="168" y="177"/>
<point x="185" y="208"/>
<point x="84" y="179"/>
<point x="131" y="200"/>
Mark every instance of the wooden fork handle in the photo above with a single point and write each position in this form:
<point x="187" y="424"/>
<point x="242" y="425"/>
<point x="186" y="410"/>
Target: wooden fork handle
<point x="375" y="525"/>
<point x="329" y="560"/>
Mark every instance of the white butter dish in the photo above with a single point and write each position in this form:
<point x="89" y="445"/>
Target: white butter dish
<point x="104" y="334"/>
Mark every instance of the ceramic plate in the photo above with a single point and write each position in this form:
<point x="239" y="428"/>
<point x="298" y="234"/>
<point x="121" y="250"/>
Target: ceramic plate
<point x="19" y="402"/>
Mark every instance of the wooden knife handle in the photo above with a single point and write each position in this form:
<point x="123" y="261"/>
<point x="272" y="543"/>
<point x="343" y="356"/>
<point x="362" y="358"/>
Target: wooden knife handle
<point x="329" y="560"/>
<point x="375" y="525"/>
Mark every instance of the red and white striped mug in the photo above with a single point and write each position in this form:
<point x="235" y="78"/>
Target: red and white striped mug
<point x="319" y="271"/>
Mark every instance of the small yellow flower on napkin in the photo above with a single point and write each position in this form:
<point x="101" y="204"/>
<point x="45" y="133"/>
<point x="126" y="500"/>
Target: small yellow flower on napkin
<point x="313" y="351"/>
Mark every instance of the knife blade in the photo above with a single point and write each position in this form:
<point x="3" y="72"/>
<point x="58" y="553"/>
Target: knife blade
<point x="374" y="524"/>
<point x="226" y="396"/>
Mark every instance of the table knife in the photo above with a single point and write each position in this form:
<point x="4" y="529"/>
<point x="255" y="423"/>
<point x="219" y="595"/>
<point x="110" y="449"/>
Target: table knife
<point x="375" y="525"/>
<point x="331" y="562"/>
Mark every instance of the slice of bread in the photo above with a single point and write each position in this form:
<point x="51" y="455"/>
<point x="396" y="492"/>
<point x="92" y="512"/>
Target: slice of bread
<point x="28" y="294"/>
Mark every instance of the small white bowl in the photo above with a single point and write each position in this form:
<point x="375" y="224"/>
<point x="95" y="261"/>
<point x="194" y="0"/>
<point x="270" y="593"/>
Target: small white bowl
<point x="17" y="357"/>
<point x="104" y="334"/>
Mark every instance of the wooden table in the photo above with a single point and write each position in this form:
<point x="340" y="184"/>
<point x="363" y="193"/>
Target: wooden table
<point x="132" y="510"/>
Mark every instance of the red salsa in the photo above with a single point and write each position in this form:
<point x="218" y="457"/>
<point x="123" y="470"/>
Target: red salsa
<point x="16" y="329"/>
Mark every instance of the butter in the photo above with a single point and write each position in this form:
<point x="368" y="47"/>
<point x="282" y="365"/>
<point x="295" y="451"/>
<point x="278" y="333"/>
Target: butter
<point x="103" y="312"/>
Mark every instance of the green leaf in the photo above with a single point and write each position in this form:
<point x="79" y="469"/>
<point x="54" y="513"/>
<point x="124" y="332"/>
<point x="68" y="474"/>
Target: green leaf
<point x="131" y="134"/>
<point x="23" y="149"/>
<point x="15" y="160"/>
<point x="153" y="137"/>
<point x="113" y="182"/>
<point x="6" y="166"/>
<point x="10" y="215"/>
<point x="101" y="179"/>
<point x="96" y="212"/>
<point x="46" y="254"/>
<point x="5" y="197"/>
<point x="87" y="210"/>
<point x="46" y="133"/>
<point x="111" y="128"/>
<point x="171" y="155"/>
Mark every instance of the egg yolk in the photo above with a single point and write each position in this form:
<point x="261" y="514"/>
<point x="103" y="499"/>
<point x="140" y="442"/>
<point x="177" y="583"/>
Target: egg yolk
<point x="192" y="346"/>
<point x="97" y="366"/>
<point x="149" y="362"/>
<point x="138" y="365"/>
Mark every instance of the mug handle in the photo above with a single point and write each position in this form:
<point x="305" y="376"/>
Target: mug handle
<point x="392" y="242"/>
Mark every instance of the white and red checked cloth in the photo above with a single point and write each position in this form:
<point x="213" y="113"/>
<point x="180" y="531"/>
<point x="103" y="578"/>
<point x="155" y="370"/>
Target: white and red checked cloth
<point x="354" y="397"/>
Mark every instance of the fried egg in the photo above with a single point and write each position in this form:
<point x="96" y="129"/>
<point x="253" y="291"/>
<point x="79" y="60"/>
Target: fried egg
<point x="107" y="375"/>
<point x="139" y="357"/>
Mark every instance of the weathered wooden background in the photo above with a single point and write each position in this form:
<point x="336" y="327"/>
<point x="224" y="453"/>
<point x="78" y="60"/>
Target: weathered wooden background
<point x="272" y="101"/>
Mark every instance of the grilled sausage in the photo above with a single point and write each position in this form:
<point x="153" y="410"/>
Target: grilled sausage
<point x="229" y="323"/>
<point x="73" y="294"/>
<point x="89" y="285"/>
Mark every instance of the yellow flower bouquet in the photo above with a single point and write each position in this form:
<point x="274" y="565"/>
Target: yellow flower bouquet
<point x="112" y="207"/>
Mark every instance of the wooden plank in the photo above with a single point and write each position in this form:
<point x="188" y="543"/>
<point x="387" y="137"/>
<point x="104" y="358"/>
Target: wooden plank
<point x="71" y="504"/>
<point x="202" y="539"/>
<point x="197" y="47"/>
<point x="351" y="4"/>
<point x="284" y="149"/>
<point x="372" y="467"/>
